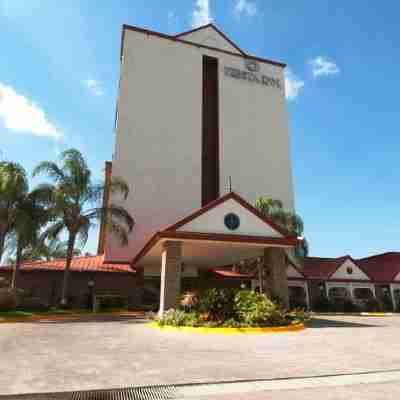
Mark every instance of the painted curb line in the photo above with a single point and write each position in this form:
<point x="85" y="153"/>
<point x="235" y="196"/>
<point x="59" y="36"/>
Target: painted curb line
<point x="229" y="331"/>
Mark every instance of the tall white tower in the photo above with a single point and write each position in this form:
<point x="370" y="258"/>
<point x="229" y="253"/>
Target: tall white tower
<point x="193" y="110"/>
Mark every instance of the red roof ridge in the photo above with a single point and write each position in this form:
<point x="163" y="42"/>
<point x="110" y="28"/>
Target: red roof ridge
<point x="212" y="25"/>
<point x="177" y="38"/>
<point x="387" y="253"/>
<point x="327" y="258"/>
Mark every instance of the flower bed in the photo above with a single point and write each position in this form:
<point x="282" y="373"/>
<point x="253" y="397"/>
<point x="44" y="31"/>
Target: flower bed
<point x="224" y="308"/>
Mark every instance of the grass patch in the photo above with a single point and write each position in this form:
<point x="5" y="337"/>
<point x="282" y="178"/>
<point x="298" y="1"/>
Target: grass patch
<point x="16" y="314"/>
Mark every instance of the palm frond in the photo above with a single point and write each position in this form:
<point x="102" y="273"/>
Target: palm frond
<point x="120" y="187"/>
<point x="115" y="212"/>
<point x="118" y="231"/>
<point x="83" y="231"/>
<point x="53" y="231"/>
<point x="13" y="182"/>
<point x="51" y="169"/>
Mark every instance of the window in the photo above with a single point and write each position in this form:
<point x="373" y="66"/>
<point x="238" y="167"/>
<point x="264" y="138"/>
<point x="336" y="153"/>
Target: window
<point x="210" y="128"/>
<point x="297" y="292"/>
<point x="338" y="293"/>
<point x="363" y="293"/>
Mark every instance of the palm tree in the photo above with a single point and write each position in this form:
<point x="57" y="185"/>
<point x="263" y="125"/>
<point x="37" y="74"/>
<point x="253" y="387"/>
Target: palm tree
<point x="29" y="217"/>
<point x="290" y="222"/>
<point x="45" y="250"/>
<point x="13" y="186"/>
<point x="76" y="205"/>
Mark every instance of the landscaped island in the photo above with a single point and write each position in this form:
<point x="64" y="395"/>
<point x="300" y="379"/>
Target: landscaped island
<point x="227" y="308"/>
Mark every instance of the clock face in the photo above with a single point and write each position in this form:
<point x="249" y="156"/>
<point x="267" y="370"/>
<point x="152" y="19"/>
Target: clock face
<point x="232" y="221"/>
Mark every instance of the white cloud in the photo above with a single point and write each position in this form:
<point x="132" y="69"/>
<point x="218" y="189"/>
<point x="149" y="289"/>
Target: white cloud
<point x="20" y="114"/>
<point x="201" y="14"/>
<point x="323" y="67"/>
<point x="293" y="85"/>
<point x="246" y="7"/>
<point x="94" y="86"/>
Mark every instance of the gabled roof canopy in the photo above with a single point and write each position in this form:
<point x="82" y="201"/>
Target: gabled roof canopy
<point x="209" y="241"/>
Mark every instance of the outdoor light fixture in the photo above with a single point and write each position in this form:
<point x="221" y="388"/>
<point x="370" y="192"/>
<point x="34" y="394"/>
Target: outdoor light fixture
<point x="321" y="287"/>
<point x="91" y="283"/>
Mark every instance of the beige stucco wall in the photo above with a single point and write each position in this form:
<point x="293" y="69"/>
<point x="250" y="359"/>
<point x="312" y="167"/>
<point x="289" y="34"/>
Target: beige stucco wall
<point x="158" y="138"/>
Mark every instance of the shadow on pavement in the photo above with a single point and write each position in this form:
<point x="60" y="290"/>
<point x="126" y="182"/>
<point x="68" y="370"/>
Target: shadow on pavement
<point x="331" y="323"/>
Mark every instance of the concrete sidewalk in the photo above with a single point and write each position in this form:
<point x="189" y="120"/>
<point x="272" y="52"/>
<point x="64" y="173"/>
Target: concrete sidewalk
<point x="67" y="356"/>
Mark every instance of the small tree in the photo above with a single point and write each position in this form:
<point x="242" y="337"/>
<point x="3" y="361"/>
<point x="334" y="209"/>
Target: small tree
<point x="289" y="222"/>
<point x="76" y="208"/>
<point x="292" y="223"/>
<point x="45" y="250"/>
<point x="29" y="217"/>
<point x="13" y="186"/>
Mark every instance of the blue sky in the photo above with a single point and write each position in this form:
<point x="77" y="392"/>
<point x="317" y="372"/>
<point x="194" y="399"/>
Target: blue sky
<point x="59" y="72"/>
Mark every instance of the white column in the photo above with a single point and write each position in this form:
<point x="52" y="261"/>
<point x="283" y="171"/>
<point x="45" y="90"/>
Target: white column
<point x="170" y="285"/>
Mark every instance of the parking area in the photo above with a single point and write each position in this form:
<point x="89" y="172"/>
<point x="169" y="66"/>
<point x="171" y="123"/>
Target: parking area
<point x="67" y="356"/>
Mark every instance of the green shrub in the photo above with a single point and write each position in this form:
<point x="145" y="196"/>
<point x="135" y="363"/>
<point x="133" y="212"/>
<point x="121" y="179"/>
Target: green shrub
<point x="178" y="318"/>
<point x="323" y="304"/>
<point x="350" y="306"/>
<point x="111" y="301"/>
<point x="189" y="301"/>
<point x="374" y="305"/>
<point x="217" y="303"/>
<point x="252" y="308"/>
<point x="232" y="308"/>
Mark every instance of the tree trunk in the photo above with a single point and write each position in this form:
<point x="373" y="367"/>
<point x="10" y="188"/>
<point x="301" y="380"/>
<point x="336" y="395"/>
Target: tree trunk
<point x="276" y="281"/>
<point x="17" y="265"/>
<point x="2" y="244"/>
<point x="70" y="254"/>
<point x="260" y="277"/>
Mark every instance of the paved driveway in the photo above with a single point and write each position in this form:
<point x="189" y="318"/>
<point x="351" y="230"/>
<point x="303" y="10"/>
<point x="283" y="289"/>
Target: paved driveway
<point x="44" y="357"/>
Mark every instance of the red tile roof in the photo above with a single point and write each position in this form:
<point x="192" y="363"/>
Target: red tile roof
<point x="79" y="264"/>
<point x="321" y="268"/>
<point x="381" y="267"/>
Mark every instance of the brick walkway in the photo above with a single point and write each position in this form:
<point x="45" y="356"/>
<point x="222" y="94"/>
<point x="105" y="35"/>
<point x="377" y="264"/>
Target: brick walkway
<point x="65" y="356"/>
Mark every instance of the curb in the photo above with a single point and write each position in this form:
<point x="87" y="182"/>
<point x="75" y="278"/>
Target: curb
<point x="229" y="331"/>
<point x="66" y="317"/>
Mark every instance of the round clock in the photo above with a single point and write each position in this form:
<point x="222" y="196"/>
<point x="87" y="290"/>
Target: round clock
<point x="232" y="221"/>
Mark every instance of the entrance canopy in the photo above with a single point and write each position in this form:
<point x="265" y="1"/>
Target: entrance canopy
<point x="225" y="231"/>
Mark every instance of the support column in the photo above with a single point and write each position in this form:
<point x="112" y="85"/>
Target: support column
<point x="276" y="279"/>
<point x="391" y="289"/>
<point x="170" y="288"/>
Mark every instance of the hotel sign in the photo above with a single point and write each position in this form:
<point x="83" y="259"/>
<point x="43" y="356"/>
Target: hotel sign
<point x="253" y="74"/>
